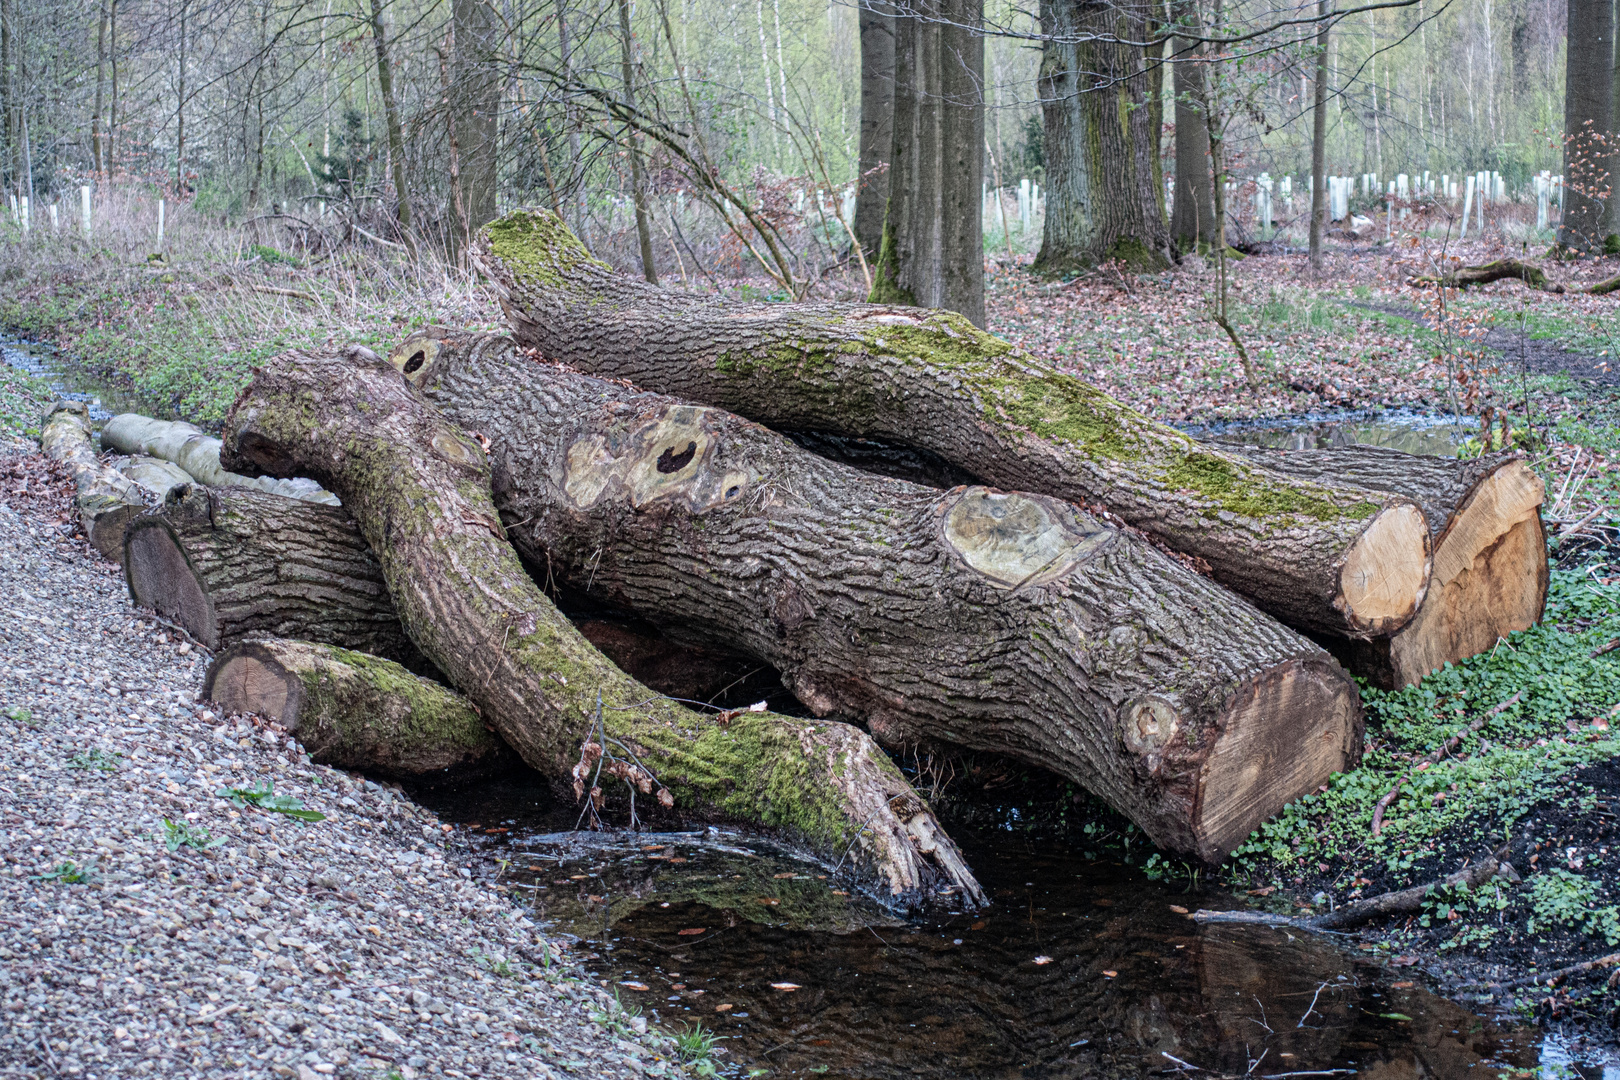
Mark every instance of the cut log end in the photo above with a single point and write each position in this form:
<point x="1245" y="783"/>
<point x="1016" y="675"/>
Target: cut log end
<point x="1386" y="571"/>
<point x="162" y="579"/>
<point x="1490" y="578"/>
<point x="1284" y="733"/>
<point x="356" y="711"/>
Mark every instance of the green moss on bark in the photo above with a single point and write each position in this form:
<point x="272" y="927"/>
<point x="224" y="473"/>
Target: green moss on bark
<point x="1237" y="489"/>
<point x="537" y="247"/>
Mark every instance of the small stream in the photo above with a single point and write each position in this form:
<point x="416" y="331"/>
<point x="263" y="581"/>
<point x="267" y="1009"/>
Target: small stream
<point x="44" y="363"/>
<point x="1081" y="967"/>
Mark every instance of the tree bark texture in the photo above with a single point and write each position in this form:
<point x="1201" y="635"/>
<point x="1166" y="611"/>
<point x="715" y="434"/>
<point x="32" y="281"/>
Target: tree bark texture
<point x="396" y="135"/>
<point x="1319" y="137"/>
<point x="1589" y="137"/>
<point x="1490" y="550"/>
<point x="1192" y="216"/>
<point x="105" y="500"/>
<point x="420" y="492"/>
<point x="1336" y="559"/>
<point x="356" y="711"/>
<point x="197" y="454"/>
<point x="932" y="250"/>
<point x="1100" y="142"/>
<point x="997" y="621"/>
<point x="230" y="564"/>
<point x="876" y="21"/>
<point x="638" y="171"/>
<point x="476" y="99"/>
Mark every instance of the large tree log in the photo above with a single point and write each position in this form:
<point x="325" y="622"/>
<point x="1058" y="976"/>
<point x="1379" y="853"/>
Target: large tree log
<point x="357" y="711"/>
<point x="196" y="452"/>
<point x="419" y="491"/>
<point x="106" y="501"/>
<point x="1490" y="549"/>
<point x="232" y="563"/>
<point x="1005" y="622"/>
<point x="1335" y="559"/>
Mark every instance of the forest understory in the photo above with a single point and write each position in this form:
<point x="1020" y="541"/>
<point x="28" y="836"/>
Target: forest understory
<point x="1533" y="771"/>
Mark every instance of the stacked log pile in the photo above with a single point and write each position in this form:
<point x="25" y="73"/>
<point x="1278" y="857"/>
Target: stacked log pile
<point x="977" y="603"/>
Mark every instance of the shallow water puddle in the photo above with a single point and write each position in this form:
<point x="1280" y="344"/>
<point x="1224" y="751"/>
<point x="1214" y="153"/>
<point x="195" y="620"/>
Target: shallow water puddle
<point x="1398" y="429"/>
<point x="43" y="362"/>
<point x="1079" y="969"/>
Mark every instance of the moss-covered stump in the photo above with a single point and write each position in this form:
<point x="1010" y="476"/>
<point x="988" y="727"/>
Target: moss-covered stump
<point x="1323" y="557"/>
<point x="998" y="621"/>
<point x="357" y="711"/>
<point x="106" y="501"/>
<point x="419" y="490"/>
<point x="1490" y="550"/>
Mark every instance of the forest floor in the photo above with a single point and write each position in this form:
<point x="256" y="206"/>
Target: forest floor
<point x="1540" y="776"/>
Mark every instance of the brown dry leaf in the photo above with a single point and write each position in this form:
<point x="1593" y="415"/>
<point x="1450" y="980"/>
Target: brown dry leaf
<point x="779" y="877"/>
<point x="1403" y="961"/>
<point x="980" y="925"/>
<point x="635" y="986"/>
<point x="665" y="799"/>
<point x="1267" y="891"/>
<point x="727" y="1007"/>
<point x="1407" y="985"/>
<point x="768" y="900"/>
<point x="1110" y="974"/>
<point x="1178" y="909"/>
<point x="693" y="931"/>
<point x="785" y="987"/>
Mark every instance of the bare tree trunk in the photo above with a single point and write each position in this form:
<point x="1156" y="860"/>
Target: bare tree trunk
<point x="476" y="103"/>
<point x="877" y="123"/>
<point x="638" y="172"/>
<point x="932" y="251"/>
<point x="96" y="136"/>
<point x="396" y="135"/>
<point x="575" y="162"/>
<point x="112" y="63"/>
<point x="419" y="490"/>
<point x="180" y="107"/>
<point x="998" y="621"/>
<point x="1192" y="218"/>
<point x="1319" y="139"/>
<point x="1337" y="559"/>
<point x="1100" y="202"/>
<point x="1589" y="183"/>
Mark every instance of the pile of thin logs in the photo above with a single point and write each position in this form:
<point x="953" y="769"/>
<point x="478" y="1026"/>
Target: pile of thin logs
<point x="923" y="531"/>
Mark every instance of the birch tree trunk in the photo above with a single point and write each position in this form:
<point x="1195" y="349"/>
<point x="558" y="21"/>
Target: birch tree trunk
<point x="420" y="492"/>
<point x="997" y="621"/>
<point x="1338" y="559"/>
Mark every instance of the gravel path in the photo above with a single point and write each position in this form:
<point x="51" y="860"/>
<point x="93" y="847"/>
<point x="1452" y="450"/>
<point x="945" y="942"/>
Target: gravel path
<point x="265" y="946"/>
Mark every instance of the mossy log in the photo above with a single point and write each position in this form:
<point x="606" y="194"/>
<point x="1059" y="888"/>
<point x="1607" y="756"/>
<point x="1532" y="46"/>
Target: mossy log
<point x="1498" y="270"/>
<point x="106" y="500"/>
<point x="1490" y="550"/>
<point x="419" y="491"/>
<point x="197" y="453"/>
<point x="997" y="621"/>
<point x="231" y="563"/>
<point x="357" y="711"/>
<point x="1329" y="558"/>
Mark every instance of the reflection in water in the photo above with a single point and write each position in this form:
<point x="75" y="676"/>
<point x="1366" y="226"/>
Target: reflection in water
<point x="1414" y="433"/>
<point x="1079" y="969"/>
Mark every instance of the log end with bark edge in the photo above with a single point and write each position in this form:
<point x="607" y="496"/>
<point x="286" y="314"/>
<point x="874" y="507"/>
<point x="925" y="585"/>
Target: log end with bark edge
<point x="1490" y="570"/>
<point x="106" y="501"/>
<point x="933" y="381"/>
<point x="356" y="711"/>
<point x="420" y="492"/>
<point x="996" y="621"/>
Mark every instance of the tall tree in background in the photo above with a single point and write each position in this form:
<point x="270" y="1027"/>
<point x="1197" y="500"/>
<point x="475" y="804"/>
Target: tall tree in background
<point x="1102" y="112"/>
<point x="876" y="22"/>
<point x="97" y="135"/>
<point x="932" y="251"/>
<point x="638" y="172"/>
<point x="476" y="102"/>
<point x="1319" y="138"/>
<point x="1589" y="135"/>
<point x="396" y="136"/>
<point x="1192" y="217"/>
